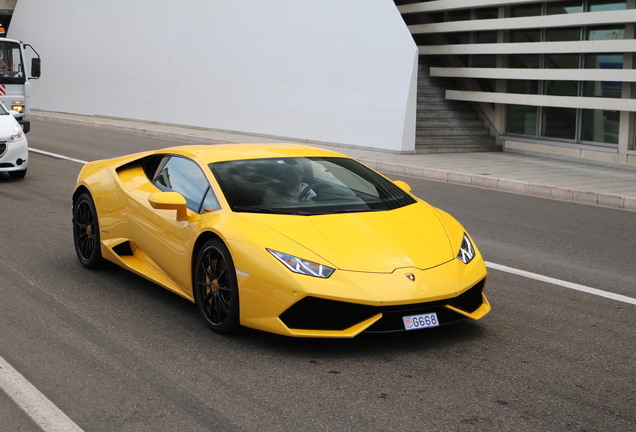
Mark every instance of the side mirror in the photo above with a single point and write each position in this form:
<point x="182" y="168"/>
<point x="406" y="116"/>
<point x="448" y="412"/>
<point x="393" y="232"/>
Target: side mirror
<point x="14" y="113"/>
<point x="169" y="201"/>
<point x="402" y="185"/>
<point x="35" y="68"/>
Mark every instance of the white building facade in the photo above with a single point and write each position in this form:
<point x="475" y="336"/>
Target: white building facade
<point x="315" y="70"/>
<point x="552" y="77"/>
<point x="548" y="77"/>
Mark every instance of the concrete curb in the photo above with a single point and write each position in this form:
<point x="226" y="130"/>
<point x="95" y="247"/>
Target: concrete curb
<point x="95" y="123"/>
<point x="579" y="196"/>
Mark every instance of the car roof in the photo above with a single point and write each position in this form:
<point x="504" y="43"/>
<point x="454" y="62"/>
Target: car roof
<point x="225" y="152"/>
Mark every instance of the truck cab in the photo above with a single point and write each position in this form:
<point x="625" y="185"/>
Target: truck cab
<point x="15" y="90"/>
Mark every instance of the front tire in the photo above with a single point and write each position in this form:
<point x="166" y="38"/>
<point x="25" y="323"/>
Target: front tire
<point x="86" y="232"/>
<point x="215" y="287"/>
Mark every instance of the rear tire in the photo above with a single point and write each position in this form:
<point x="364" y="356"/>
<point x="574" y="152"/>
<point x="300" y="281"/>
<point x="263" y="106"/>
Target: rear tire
<point x="215" y="287"/>
<point x="86" y="232"/>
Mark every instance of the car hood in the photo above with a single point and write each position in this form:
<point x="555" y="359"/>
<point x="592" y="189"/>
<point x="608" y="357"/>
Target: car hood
<point x="377" y="242"/>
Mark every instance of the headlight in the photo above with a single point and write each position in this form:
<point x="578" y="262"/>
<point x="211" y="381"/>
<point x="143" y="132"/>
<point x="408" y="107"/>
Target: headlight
<point x="466" y="250"/>
<point x="301" y="266"/>
<point x="17" y="134"/>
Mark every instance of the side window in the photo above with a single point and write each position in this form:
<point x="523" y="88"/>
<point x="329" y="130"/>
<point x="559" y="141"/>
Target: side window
<point x="178" y="174"/>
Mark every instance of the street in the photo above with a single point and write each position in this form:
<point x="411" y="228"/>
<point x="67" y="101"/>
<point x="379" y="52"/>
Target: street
<point x="115" y="352"/>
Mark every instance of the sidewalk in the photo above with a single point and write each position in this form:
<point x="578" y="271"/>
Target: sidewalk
<point x="509" y="172"/>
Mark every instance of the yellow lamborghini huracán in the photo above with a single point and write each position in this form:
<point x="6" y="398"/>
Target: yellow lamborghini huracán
<point x="283" y="238"/>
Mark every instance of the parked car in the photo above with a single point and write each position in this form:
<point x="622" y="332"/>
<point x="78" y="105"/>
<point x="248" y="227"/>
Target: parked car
<point x="14" y="149"/>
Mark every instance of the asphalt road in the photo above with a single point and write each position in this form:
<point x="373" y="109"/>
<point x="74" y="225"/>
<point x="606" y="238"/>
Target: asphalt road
<point x="117" y="353"/>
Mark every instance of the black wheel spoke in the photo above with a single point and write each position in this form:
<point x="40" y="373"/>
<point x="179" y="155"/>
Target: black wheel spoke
<point x="86" y="233"/>
<point x="215" y="288"/>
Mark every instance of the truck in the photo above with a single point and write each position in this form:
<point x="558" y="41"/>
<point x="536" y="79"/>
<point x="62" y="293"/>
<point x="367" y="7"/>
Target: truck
<point x="15" y="88"/>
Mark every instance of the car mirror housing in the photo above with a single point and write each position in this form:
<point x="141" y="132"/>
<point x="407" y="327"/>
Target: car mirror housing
<point x="402" y="185"/>
<point x="169" y="201"/>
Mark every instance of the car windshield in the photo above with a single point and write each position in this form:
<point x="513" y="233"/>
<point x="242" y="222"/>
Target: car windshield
<point x="11" y="67"/>
<point x="306" y="186"/>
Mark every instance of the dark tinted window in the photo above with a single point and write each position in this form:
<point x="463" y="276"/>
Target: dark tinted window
<point x="306" y="186"/>
<point x="184" y="176"/>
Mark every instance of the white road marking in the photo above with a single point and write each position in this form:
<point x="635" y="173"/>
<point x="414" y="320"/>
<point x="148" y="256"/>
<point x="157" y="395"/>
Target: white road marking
<point x="562" y="283"/>
<point x="59" y="156"/>
<point x="41" y="410"/>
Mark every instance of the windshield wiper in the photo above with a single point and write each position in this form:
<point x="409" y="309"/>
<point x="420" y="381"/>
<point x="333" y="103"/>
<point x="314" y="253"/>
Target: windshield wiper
<point x="354" y="210"/>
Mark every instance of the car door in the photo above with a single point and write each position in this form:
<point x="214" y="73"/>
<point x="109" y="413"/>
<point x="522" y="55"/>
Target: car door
<point x="165" y="238"/>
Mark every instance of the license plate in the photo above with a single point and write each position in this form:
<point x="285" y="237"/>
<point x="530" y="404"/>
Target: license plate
<point x="416" y="322"/>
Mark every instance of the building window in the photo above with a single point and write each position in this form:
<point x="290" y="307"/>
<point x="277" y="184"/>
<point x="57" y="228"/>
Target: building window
<point x="558" y="123"/>
<point x="597" y="126"/>
<point x="525" y="10"/>
<point x="600" y="126"/>
<point x="564" y="7"/>
<point x="522" y="61"/>
<point x="606" y="5"/>
<point x="521" y="119"/>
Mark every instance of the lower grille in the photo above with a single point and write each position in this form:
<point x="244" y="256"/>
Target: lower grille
<point x="3" y="148"/>
<point x="313" y="313"/>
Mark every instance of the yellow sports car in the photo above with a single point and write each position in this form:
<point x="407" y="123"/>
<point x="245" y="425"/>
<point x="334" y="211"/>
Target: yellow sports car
<point x="283" y="238"/>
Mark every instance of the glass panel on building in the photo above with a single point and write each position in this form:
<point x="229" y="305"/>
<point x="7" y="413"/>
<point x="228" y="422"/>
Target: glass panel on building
<point x="606" y="89"/>
<point x="523" y="86"/>
<point x="485" y="37"/>
<point x="523" y="61"/>
<point x="562" y="88"/>
<point x="459" y="38"/>
<point x="486" y="84"/>
<point x="483" y="60"/>
<point x="486" y="13"/>
<point x="564" y="7"/>
<point x="604" y="61"/>
<point x="525" y="10"/>
<point x="606" y="5"/>
<point x="458" y="15"/>
<point x="530" y="35"/>
<point x="605" y="33"/>
<point x="559" y="123"/>
<point x="563" y="34"/>
<point x="521" y="119"/>
<point x="562" y="61"/>
<point x="600" y="126"/>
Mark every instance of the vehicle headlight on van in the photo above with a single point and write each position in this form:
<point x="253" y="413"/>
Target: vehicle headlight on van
<point x="17" y="105"/>
<point x="466" y="250"/>
<point x="302" y="266"/>
<point x="17" y="134"/>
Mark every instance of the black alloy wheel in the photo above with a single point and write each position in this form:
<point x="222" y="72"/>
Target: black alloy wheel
<point x="86" y="232"/>
<point x="215" y="287"/>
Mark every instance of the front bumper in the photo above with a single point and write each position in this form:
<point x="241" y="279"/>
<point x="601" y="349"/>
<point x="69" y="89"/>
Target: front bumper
<point x="315" y="314"/>
<point x="349" y="303"/>
<point x="14" y="156"/>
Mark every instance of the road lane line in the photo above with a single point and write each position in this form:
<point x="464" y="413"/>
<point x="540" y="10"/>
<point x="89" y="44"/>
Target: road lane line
<point x="494" y="266"/>
<point x="41" y="410"/>
<point x="562" y="283"/>
<point x="58" y="156"/>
